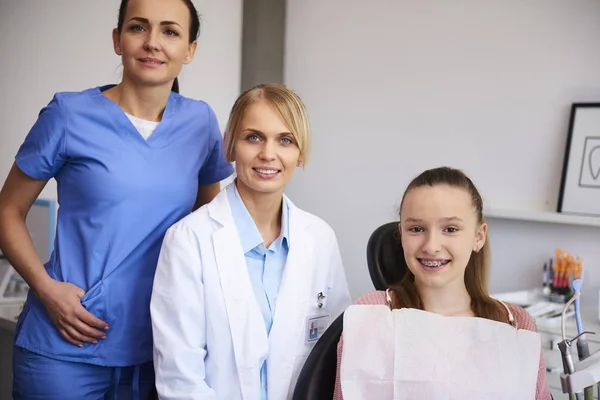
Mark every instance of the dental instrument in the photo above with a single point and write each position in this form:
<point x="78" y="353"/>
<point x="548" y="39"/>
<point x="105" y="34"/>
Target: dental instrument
<point x="565" y="349"/>
<point x="583" y="350"/>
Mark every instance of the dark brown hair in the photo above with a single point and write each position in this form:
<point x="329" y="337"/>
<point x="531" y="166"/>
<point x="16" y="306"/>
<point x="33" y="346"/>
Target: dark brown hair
<point x="477" y="271"/>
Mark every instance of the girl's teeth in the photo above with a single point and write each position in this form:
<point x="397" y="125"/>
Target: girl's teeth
<point x="267" y="171"/>
<point x="433" y="263"/>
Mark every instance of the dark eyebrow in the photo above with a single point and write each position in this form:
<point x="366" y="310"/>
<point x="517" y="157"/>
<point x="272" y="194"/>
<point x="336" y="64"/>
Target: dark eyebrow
<point x="146" y="21"/>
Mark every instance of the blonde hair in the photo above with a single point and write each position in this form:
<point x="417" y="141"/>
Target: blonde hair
<point x="477" y="271"/>
<point x="283" y="100"/>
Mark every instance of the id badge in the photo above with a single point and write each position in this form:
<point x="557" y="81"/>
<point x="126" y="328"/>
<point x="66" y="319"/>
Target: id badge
<point x="315" y="326"/>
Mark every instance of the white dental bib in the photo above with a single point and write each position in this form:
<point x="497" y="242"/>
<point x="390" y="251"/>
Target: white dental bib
<point x="414" y="354"/>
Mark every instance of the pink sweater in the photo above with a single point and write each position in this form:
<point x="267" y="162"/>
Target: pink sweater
<point x="522" y="319"/>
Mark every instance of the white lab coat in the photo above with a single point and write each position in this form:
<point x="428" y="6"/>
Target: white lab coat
<point x="209" y="335"/>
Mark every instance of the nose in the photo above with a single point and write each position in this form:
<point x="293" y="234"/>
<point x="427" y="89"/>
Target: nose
<point x="152" y="41"/>
<point x="432" y="243"/>
<point x="268" y="151"/>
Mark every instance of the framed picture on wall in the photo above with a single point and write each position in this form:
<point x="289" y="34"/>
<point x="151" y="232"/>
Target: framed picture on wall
<point x="580" y="183"/>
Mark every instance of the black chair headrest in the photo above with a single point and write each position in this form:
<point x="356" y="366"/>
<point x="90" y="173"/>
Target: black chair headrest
<point x="385" y="257"/>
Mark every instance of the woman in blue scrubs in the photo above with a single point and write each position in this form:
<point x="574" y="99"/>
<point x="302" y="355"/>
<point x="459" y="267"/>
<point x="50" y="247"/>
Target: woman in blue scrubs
<point x="129" y="160"/>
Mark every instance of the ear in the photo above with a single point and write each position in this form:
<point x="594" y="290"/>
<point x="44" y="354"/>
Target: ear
<point x="116" y="37"/>
<point x="480" y="237"/>
<point x="191" y="52"/>
<point x="300" y="163"/>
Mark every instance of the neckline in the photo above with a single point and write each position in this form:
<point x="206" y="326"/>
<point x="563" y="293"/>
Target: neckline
<point x="125" y="127"/>
<point x="143" y="121"/>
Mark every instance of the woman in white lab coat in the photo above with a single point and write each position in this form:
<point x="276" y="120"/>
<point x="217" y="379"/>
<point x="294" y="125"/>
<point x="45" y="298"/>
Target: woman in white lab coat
<point x="247" y="284"/>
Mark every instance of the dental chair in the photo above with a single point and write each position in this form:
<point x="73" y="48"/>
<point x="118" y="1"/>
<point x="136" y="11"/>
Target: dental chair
<point x="386" y="264"/>
<point x="385" y="261"/>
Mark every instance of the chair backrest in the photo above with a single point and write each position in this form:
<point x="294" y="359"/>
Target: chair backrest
<point x="385" y="257"/>
<point x="317" y="377"/>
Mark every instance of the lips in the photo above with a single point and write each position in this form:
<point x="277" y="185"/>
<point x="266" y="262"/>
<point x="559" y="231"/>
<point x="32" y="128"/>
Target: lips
<point x="151" y="61"/>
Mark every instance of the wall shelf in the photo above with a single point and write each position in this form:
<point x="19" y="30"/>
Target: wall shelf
<point x="542" y="216"/>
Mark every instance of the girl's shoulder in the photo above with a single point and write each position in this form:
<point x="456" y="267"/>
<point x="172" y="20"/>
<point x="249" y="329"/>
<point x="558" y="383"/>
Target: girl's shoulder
<point x="522" y="318"/>
<point x="372" y="298"/>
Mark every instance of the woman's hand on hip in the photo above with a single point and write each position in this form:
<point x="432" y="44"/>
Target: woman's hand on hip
<point x="63" y="303"/>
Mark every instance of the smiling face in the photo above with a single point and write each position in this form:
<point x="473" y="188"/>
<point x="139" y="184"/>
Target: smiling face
<point x="154" y="41"/>
<point x="439" y="231"/>
<point x="265" y="152"/>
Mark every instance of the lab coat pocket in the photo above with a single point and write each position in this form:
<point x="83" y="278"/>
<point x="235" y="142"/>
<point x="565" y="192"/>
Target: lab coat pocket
<point x="94" y="301"/>
<point x="299" y="362"/>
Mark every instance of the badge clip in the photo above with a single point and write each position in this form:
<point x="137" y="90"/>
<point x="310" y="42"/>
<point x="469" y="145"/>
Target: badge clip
<point x="320" y="298"/>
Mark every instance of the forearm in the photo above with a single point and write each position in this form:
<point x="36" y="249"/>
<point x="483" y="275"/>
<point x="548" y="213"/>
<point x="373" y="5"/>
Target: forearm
<point x="179" y="320"/>
<point x="179" y="343"/>
<point x="17" y="246"/>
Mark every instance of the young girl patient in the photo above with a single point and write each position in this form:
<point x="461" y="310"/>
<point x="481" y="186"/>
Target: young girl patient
<point x="443" y="236"/>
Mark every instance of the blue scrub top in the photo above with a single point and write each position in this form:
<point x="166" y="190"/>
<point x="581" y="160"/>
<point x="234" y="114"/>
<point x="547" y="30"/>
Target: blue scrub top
<point x="118" y="194"/>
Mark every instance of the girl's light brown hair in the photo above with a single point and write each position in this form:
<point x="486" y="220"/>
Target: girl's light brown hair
<point x="477" y="271"/>
<point x="285" y="102"/>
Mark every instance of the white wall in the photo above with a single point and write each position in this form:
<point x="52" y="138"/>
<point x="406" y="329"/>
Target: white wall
<point x="396" y="87"/>
<point x="66" y="45"/>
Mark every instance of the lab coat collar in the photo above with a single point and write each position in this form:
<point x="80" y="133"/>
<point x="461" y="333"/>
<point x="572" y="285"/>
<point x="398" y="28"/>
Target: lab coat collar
<point x="249" y="234"/>
<point x="249" y="335"/>
<point x="220" y="211"/>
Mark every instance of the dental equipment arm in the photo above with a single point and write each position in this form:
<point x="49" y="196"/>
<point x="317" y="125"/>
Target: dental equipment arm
<point x="584" y="373"/>
<point x="583" y="350"/>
